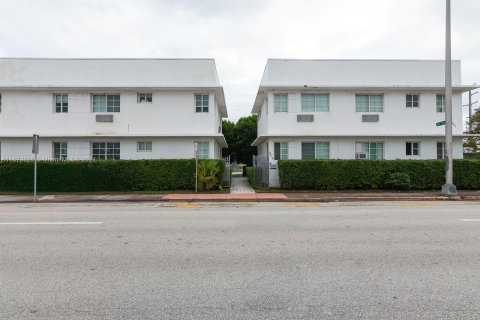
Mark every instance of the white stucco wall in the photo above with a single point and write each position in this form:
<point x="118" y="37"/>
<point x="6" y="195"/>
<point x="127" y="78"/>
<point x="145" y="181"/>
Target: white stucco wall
<point x="342" y="119"/>
<point x="171" y="113"/>
<point x="80" y="148"/>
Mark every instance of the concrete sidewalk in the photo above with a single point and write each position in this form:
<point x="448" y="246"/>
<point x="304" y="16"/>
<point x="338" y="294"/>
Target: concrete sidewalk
<point x="247" y="197"/>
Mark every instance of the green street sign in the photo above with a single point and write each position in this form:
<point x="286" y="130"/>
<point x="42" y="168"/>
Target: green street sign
<point x="441" y="123"/>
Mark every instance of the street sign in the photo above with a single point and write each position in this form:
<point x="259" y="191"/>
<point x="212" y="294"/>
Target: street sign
<point x="35" y="144"/>
<point x="440" y="123"/>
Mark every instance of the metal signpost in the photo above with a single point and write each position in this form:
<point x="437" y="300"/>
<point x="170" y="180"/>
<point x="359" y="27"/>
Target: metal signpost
<point x="35" y="152"/>
<point x="196" y="168"/>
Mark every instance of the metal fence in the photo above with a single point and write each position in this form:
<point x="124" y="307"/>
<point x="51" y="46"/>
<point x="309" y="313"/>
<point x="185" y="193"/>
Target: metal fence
<point x="227" y="173"/>
<point x="260" y="171"/>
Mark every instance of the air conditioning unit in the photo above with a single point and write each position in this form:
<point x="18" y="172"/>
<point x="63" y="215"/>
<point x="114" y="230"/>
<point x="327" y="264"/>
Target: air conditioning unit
<point x="361" y="156"/>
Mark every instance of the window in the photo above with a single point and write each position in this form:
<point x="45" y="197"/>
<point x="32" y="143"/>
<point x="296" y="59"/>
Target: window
<point x="60" y="150"/>
<point x="315" y="103"/>
<point x="203" y="150"/>
<point x="61" y="103"/>
<point x="144" y="145"/>
<point x="105" y="150"/>
<point x="144" y="97"/>
<point x="106" y="103"/>
<point x="201" y="103"/>
<point x="369" y="150"/>
<point x="441" y="150"/>
<point x="315" y="150"/>
<point x="369" y="102"/>
<point x="412" y="148"/>
<point x="281" y="151"/>
<point x="280" y="102"/>
<point x="412" y="100"/>
<point x="440" y="103"/>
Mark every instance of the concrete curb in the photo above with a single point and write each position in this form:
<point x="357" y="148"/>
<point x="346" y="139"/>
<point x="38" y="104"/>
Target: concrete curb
<point x="106" y="199"/>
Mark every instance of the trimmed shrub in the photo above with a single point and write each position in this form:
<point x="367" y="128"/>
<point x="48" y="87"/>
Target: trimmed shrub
<point x="398" y="181"/>
<point x="105" y="175"/>
<point x="249" y="171"/>
<point x="372" y="174"/>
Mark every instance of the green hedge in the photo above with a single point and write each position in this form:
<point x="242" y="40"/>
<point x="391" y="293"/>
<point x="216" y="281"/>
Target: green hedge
<point x="372" y="174"/>
<point x="108" y="175"/>
<point x="249" y="171"/>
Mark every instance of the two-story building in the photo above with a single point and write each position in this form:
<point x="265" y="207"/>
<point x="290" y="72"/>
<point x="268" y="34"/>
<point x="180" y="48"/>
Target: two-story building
<point x="355" y="109"/>
<point x="111" y="108"/>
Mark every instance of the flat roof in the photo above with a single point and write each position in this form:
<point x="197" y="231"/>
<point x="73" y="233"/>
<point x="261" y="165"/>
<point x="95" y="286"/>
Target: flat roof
<point x="356" y="74"/>
<point x="40" y="73"/>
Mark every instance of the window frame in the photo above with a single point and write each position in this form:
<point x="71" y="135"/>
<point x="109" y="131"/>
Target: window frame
<point x="412" y="149"/>
<point x="369" y="95"/>
<point x="115" y="109"/>
<point x="412" y="101"/>
<point x="316" y="149"/>
<point x="202" y="108"/>
<point x="278" y="109"/>
<point x="63" y="146"/>
<point x="368" y="152"/>
<point x="146" y="95"/>
<point x="63" y="107"/>
<point x="444" y="150"/>
<point x="315" y="107"/>
<point x="282" y="150"/>
<point x="146" y="143"/>
<point x="106" y="155"/>
<point x="440" y="109"/>
<point x="199" y="147"/>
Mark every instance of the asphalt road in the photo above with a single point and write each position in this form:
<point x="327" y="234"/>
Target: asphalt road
<point x="240" y="261"/>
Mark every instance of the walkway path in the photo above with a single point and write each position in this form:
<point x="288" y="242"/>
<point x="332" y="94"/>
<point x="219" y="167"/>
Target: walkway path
<point x="240" y="184"/>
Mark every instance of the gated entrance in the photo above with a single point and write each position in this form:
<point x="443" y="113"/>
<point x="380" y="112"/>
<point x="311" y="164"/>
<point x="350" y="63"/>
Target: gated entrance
<point x="260" y="171"/>
<point x="227" y="173"/>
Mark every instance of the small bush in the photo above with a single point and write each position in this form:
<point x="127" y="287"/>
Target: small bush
<point x="208" y="175"/>
<point x="398" y="181"/>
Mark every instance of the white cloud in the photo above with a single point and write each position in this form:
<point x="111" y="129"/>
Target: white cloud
<point x="240" y="34"/>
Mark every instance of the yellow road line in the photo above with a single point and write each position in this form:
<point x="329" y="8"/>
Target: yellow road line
<point x="188" y="206"/>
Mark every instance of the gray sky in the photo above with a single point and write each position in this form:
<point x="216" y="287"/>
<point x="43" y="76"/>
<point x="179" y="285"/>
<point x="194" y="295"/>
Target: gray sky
<point x="241" y="34"/>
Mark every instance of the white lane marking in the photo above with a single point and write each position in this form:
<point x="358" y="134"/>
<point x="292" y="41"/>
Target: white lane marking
<point x="52" y="223"/>
<point x="471" y="220"/>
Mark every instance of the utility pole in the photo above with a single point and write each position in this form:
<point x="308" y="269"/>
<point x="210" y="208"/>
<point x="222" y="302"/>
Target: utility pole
<point x="448" y="189"/>
<point x="470" y="95"/>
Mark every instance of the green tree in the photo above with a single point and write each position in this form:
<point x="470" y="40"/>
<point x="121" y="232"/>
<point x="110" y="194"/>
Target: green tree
<point x="228" y="130"/>
<point x="473" y="143"/>
<point x="240" y="137"/>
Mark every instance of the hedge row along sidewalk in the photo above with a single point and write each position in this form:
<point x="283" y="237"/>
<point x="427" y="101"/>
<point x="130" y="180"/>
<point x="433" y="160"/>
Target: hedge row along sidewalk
<point x="108" y="175"/>
<point x="374" y="174"/>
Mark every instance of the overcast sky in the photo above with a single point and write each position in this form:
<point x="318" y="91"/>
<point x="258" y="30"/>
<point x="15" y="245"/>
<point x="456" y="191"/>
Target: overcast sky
<point x="241" y="34"/>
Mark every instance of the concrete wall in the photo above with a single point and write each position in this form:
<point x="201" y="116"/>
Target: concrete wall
<point x="342" y="119"/>
<point x="80" y="148"/>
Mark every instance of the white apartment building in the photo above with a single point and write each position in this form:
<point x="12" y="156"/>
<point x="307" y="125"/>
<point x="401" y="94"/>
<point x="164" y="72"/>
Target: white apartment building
<point x="111" y="108"/>
<point x="355" y="109"/>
